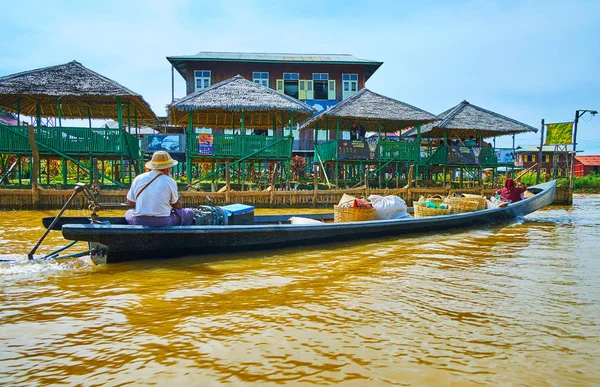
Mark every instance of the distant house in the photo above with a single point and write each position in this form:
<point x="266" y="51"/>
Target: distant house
<point x="554" y="161"/>
<point x="308" y="77"/>
<point x="320" y="80"/>
<point x="584" y="165"/>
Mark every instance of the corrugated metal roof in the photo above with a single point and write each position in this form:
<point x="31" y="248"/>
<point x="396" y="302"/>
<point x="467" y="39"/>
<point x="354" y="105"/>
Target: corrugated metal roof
<point x="545" y="148"/>
<point x="274" y="57"/>
<point x="589" y="160"/>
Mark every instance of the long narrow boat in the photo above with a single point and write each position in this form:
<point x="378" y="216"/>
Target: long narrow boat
<point x="119" y="242"/>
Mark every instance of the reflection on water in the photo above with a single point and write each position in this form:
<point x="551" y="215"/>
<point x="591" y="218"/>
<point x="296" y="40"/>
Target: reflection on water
<point x="507" y="304"/>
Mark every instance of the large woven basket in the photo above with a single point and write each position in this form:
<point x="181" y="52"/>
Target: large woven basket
<point x="422" y="211"/>
<point x="460" y="205"/>
<point x="481" y="200"/>
<point x="437" y="199"/>
<point x="352" y="214"/>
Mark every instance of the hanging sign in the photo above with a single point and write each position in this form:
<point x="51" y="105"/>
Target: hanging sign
<point x="205" y="144"/>
<point x="463" y="155"/>
<point x="559" y="134"/>
<point x="505" y="155"/>
<point x="357" y="149"/>
<point x="164" y="142"/>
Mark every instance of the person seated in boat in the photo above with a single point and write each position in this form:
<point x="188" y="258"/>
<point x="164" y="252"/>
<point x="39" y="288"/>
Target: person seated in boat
<point x="511" y="192"/>
<point x="155" y="197"/>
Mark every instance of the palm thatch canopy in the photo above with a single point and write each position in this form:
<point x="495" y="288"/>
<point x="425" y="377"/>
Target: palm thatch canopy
<point x="465" y="120"/>
<point x="371" y="110"/>
<point x="75" y="87"/>
<point x="221" y="105"/>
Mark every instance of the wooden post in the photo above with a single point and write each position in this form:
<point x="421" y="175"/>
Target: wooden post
<point x="227" y="183"/>
<point x="540" y="154"/>
<point x="35" y="165"/>
<point x="273" y="179"/>
<point x="316" y="171"/>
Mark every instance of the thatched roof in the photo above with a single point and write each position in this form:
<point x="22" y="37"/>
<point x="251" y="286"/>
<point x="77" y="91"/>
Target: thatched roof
<point x="465" y="120"/>
<point x="221" y="105"/>
<point x="78" y="88"/>
<point x="371" y="109"/>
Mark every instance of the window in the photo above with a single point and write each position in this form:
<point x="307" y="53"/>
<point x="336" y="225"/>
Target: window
<point x="290" y="84"/>
<point x="261" y="78"/>
<point x="546" y="158"/>
<point x="290" y="76"/>
<point x="543" y="170"/>
<point x="529" y="158"/>
<point x="349" y="85"/>
<point x="320" y="85"/>
<point x="201" y="79"/>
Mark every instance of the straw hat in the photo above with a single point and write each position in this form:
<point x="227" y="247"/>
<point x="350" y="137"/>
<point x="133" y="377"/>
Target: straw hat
<point x="161" y="160"/>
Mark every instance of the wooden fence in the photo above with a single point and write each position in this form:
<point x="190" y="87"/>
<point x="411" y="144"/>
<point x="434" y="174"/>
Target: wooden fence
<point x="11" y="199"/>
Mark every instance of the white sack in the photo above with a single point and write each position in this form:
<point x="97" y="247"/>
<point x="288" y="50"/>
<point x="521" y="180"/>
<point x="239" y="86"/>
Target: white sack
<point x="388" y="207"/>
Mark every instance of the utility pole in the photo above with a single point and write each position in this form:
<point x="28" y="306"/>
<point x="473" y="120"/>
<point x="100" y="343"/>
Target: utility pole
<point x="540" y="155"/>
<point x="578" y="114"/>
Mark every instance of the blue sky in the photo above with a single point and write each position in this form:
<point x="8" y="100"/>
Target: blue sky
<point x="525" y="59"/>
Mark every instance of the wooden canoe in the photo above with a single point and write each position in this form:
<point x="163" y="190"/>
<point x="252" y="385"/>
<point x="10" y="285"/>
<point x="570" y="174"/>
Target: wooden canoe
<point x="118" y="242"/>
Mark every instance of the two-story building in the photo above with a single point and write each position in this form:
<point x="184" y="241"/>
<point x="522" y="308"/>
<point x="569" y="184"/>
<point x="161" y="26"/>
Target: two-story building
<point x="555" y="159"/>
<point x="320" y="80"/>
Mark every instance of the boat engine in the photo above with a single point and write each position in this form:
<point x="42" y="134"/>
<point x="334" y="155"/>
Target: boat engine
<point x="233" y="214"/>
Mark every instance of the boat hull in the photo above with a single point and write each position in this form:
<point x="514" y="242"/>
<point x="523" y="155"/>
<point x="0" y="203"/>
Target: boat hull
<point x="118" y="243"/>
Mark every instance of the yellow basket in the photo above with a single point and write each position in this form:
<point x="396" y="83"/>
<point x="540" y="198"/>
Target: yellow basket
<point x="422" y="211"/>
<point x="481" y="200"/>
<point x="460" y="205"/>
<point x="352" y="214"/>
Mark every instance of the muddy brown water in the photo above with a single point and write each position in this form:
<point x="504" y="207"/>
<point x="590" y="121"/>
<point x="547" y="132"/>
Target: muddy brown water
<point x="510" y="304"/>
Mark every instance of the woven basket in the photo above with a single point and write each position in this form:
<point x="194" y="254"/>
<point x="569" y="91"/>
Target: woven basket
<point x="352" y="214"/>
<point x="437" y="199"/>
<point x="460" y="205"/>
<point x="422" y="211"/>
<point x="481" y="200"/>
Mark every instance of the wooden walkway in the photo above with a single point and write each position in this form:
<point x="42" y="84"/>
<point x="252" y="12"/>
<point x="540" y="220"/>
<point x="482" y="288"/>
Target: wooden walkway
<point x="11" y="199"/>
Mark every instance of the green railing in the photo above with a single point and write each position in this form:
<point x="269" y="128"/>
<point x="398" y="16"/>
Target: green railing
<point x="398" y="151"/>
<point x="235" y="145"/>
<point x="488" y="158"/>
<point x="435" y="156"/>
<point x="71" y="141"/>
<point x="327" y="150"/>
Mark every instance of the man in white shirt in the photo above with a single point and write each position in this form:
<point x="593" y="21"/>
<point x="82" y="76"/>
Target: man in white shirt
<point x="154" y="195"/>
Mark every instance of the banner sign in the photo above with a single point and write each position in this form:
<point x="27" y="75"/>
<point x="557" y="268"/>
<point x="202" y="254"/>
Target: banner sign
<point x="357" y="149"/>
<point x="559" y="134"/>
<point x="463" y="155"/>
<point x="505" y="155"/>
<point x="168" y="142"/>
<point x="205" y="144"/>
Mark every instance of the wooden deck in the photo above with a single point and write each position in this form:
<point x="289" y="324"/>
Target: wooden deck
<point x="11" y="199"/>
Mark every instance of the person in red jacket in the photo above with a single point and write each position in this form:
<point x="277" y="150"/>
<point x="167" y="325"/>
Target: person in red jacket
<point x="510" y="192"/>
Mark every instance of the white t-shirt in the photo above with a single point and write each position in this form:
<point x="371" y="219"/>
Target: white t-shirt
<point x="157" y="198"/>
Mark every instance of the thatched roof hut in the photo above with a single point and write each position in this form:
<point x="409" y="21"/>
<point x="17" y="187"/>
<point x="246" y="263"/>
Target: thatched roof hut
<point x="370" y="110"/>
<point x="465" y="120"/>
<point x="220" y="106"/>
<point x="77" y="87"/>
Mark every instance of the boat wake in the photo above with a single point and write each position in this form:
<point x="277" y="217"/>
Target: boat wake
<point x="18" y="264"/>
